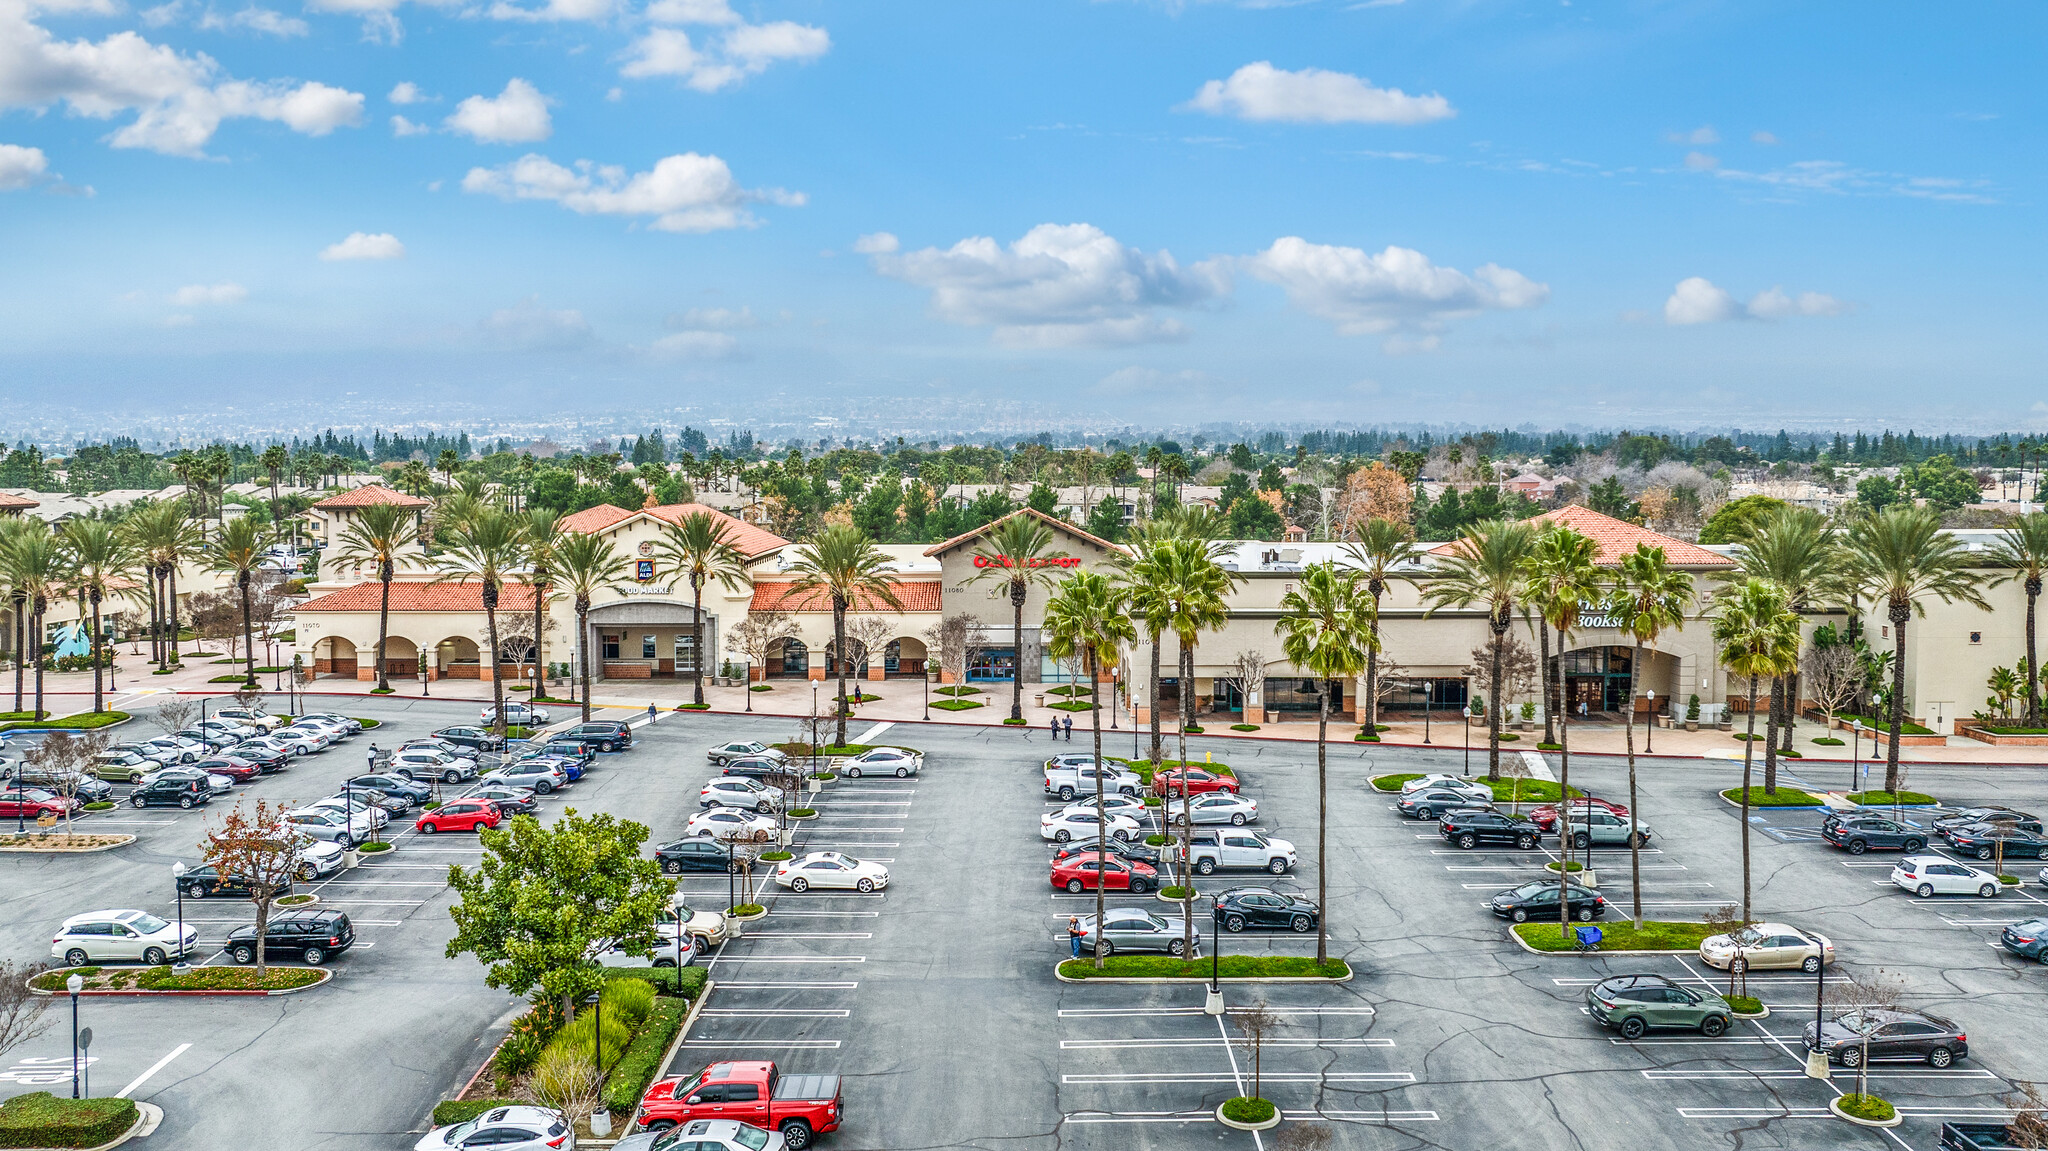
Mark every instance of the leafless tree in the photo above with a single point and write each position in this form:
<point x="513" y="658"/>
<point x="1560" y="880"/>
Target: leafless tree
<point x="566" y="1080"/>
<point x="1517" y="669"/>
<point x="1246" y="673"/>
<point x="174" y="714"/>
<point x="63" y="760"/>
<point x="1727" y="920"/>
<point x="865" y="637"/>
<point x="2029" y="1126"/>
<point x="1832" y="676"/>
<point x="760" y="635"/>
<point x="1257" y="1022"/>
<point x="956" y="639"/>
<point x="21" y="1011"/>
<point x="1859" y="997"/>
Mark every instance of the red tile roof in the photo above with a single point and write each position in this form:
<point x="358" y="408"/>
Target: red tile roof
<point x="751" y="540"/>
<point x="1613" y="539"/>
<point x="1054" y="522"/>
<point x="780" y="595"/>
<point x="372" y="494"/>
<point x="17" y="503"/>
<point x="417" y="596"/>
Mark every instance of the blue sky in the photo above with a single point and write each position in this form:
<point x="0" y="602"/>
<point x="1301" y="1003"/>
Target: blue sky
<point x="1585" y="212"/>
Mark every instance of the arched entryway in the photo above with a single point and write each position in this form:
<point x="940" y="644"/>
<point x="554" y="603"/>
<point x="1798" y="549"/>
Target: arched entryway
<point x="335" y="655"/>
<point x="401" y="656"/>
<point x="904" y="656"/>
<point x="791" y="658"/>
<point x="457" y="658"/>
<point x="1597" y="680"/>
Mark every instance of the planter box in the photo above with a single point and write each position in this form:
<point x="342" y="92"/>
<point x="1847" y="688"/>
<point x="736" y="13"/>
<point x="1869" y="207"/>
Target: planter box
<point x="1915" y="740"/>
<point x="1982" y="736"/>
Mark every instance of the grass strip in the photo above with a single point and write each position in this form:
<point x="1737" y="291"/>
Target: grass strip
<point x="1228" y="967"/>
<point x="40" y="1119"/>
<point x="956" y="704"/>
<point x="1783" y="797"/>
<point x="87" y="721"/>
<point x="1392" y="783"/>
<point x="1656" y="935"/>
<point x="1887" y="799"/>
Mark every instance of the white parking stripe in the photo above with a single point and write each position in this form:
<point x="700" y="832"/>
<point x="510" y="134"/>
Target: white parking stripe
<point x="810" y="935"/>
<point x="1365" y="1116"/>
<point x="774" y="1013"/>
<point x="1226" y="1077"/>
<point x="785" y="1044"/>
<point x="159" y="1065"/>
<point x="1125" y="1044"/>
<point x="791" y="959"/>
<point x="788" y="985"/>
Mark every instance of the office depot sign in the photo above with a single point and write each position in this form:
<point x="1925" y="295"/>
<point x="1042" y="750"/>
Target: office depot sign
<point x="982" y="561"/>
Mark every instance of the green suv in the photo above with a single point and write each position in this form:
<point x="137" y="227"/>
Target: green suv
<point x="1633" y="1004"/>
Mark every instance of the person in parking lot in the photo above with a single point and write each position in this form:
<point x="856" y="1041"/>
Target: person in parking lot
<point x="1068" y="723"/>
<point x="1075" y="934"/>
<point x="650" y="713"/>
<point x="1055" y="721"/>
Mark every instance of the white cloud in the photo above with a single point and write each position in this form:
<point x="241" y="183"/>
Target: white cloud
<point x="400" y="126"/>
<point x="1765" y="138"/>
<point x="1697" y="300"/>
<point x="684" y="193"/>
<point x="194" y="295"/>
<point x="164" y="14"/>
<point x="21" y="167"/>
<point x="876" y="243"/>
<point x="1139" y="379"/>
<point x="743" y="50"/>
<point x="694" y="346"/>
<point x="380" y="19"/>
<point x="179" y="100"/>
<point x="1699" y="137"/>
<point x="1701" y="162"/>
<point x="1260" y="91"/>
<point x="364" y="246"/>
<point x="1397" y="290"/>
<point x="530" y="327"/>
<point x="714" y="319"/>
<point x="405" y="92"/>
<point x="255" y="20"/>
<point x="553" y="10"/>
<point x="1060" y="285"/>
<point x="517" y="115"/>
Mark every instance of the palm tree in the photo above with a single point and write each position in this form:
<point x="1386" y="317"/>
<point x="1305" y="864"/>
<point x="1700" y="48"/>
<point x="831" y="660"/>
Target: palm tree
<point x="101" y="559"/>
<point x="586" y="563"/>
<point x="1563" y="576"/>
<point x="1794" y="548"/>
<point x="10" y="529"/>
<point x="1015" y="550"/>
<point x="1382" y="547"/>
<point x="543" y="535"/>
<point x="2023" y="546"/>
<point x="1177" y="586"/>
<point x="274" y="460"/>
<point x="488" y="550"/>
<point x="1088" y="620"/>
<point x="1901" y="556"/>
<point x="235" y="551"/>
<point x="377" y="535"/>
<point x="1326" y="629"/>
<point x="845" y="564"/>
<point x="1757" y="633"/>
<point x="166" y="536"/>
<point x="35" y="572"/>
<point x="1648" y="597"/>
<point x="1485" y="567"/>
<point x="699" y="547"/>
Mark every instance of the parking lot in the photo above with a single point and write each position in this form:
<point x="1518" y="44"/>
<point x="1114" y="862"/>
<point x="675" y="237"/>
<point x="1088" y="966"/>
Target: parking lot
<point x="935" y="998"/>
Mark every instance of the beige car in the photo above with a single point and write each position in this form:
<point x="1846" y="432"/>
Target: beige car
<point x="1767" y="945"/>
<point x="707" y="926"/>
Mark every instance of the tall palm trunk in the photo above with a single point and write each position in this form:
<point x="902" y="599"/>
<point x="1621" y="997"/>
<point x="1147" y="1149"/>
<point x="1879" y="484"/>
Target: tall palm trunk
<point x="540" y="596"/>
<point x="1018" y="591"/>
<point x="697" y="632"/>
<point x="99" y="683"/>
<point x="1101" y="817"/>
<point x="839" y="665"/>
<point x="1746" y="757"/>
<point x="1901" y="611"/>
<point x="384" y="574"/>
<point x="490" y="660"/>
<point x="1493" y="705"/>
<point x="1322" y="820"/>
<point x="1790" y="719"/>
<point x="1564" y="821"/>
<point x="2033" y="586"/>
<point x="1158" y="752"/>
<point x="1549" y="681"/>
<point x="20" y="644"/>
<point x="156" y="619"/>
<point x="583" y="650"/>
<point x="1770" y="734"/>
<point x="36" y="634"/>
<point x="171" y="605"/>
<point x="1372" y="671"/>
<point x="1635" y="856"/>
<point x="248" y="633"/>
<point x="1184" y="668"/>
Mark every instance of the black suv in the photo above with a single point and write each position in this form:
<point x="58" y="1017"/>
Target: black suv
<point x="311" y="935"/>
<point x="205" y="880"/>
<point x="1970" y="815"/>
<point x="166" y="792"/>
<point x="395" y="786"/>
<point x="1981" y="840"/>
<point x="694" y="854"/>
<point x="1896" y="1035"/>
<point x="606" y="735"/>
<point x="1860" y="833"/>
<point x="1469" y="829"/>
<point x="1243" y="907"/>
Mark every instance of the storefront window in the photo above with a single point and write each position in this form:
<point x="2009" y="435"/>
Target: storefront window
<point x="1293" y="694"/>
<point x="611" y="647"/>
<point x="686" y="653"/>
<point x="646" y="647"/>
<point x="995" y="663"/>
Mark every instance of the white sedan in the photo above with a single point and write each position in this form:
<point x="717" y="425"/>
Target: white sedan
<point x="1112" y="804"/>
<point x="726" y="823"/>
<point x="1063" y="826"/>
<point x="1217" y="807"/>
<point x="831" y="869"/>
<point x="1462" y="788"/>
<point x="1926" y="875"/>
<point x="900" y="762"/>
<point x="739" y="791"/>
<point x="298" y="741"/>
<point x="1433" y="779"/>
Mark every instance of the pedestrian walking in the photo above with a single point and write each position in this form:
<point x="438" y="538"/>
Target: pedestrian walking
<point x="1055" y="721"/>
<point x="650" y="713"/>
<point x="1069" y="722"/>
<point x="1075" y="934"/>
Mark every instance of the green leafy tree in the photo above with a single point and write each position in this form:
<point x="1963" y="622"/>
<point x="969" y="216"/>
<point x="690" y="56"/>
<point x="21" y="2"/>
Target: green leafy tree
<point x="1797" y="549"/>
<point x="1648" y="598"/>
<point x="376" y="535"/>
<point x="1241" y="458"/>
<point x="1902" y="557"/>
<point x="1087" y="620"/>
<point x="165" y="536"/>
<point x="844" y="563"/>
<point x="1106" y="520"/>
<point x="1252" y="518"/>
<point x="1941" y="483"/>
<point x="1609" y="499"/>
<point x="1757" y="634"/>
<point x="544" y="901"/>
<point x="1015" y="552"/>
<point x="34" y="568"/>
<point x="1484" y="569"/>
<point x="699" y="547"/>
<point x="875" y="513"/>
<point x="1042" y="500"/>
<point x="1876" y="493"/>
<point x="1326" y="629"/>
<point x="2023" y="547"/>
<point x="235" y="551"/>
<point x="1737" y="520"/>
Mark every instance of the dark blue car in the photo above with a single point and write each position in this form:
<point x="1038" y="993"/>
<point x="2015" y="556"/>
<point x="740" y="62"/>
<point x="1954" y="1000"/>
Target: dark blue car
<point x="2027" y="939"/>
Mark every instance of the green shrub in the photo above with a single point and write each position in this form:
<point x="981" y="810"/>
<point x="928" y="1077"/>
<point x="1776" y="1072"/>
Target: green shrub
<point x="1868" y="1107"/>
<point x="960" y="690"/>
<point x="99" y="805"/>
<point x="1175" y="892"/>
<point x="642" y="1060"/>
<point x="632" y="999"/>
<point x="664" y="979"/>
<point x="1229" y="967"/>
<point x="1244" y="727"/>
<point x="957" y="705"/>
<point x="759" y="687"/>
<point x="1392" y="783"/>
<point x="1887" y="799"/>
<point x="1247" y="1109"/>
<point x="1783" y="797"/>
<point x="1827" y="741"/>
<point x="579" y="1038"/>
<point x="1067" y="705"/>
<point x="1745" y="1004"/>
<point x="449" y="1111"/>
<point x="745" y="909"/>
<point x="803" y="812"/>
<point x="40" y="1119"/>
<point x="236" y="678"/>
<point x="1015" y="722"/>
<point x="529" y="1037"/>
<point x="1656" y="935"/>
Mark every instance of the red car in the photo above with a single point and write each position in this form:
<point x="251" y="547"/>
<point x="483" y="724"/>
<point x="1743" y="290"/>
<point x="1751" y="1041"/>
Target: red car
<point x="235" y="768"/>
<point x="460" y="815"/>
<point x="801" y="1107"/>
<point x="31" y="802"/>
<point x="1545" y="817"/>
<point x="1192" y="779"/>
<point x="1082" y="872"/>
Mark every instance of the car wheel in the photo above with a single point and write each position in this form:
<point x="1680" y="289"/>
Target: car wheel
<point x="313" y="955"/>
<point x="763" y="807"/>
<point x="1858" y="847"/>
<point x="2041" y="956"/>
<point x="429" y="828"/>
<point x="799" y="884"/>
<point x="796" y="1135"/>
<point x="1066" y="795"/>
<point x="1712" y="1026"/>
<point x="1913" y="845"/>
<point x="403" y="773"/>
<point x="1299" y="923"/>
<point x="732" y="867"/>
<point x="1584" y="915"/>
<point x="671" y="867"/>
<point x="853" y="773"/>
<point x="1940" y="1057"/>
<point x="1642" y="839"/>
<point x="1468" y="841"/>
<point x="1519" y="915"/>
<point x="902" y="773"/>
<point x="1424" y="813"/>
<point x="137" y="801"/>
<point x="1074" y="885"/>
<point x="195" y="891"/>
<point x="451" y="777"/>
<point x="1988" y="890"/>
<point x="1061" y="836"/>
<point x="153" y="956"/>
<point x="1108" y="949"/>
<point x="543" y="787"/>
<point x="1120" y="835"/>
<point x="1633" y="1027"/>
<point x="1140" y="887"/>
<point x="306" y="873"/>
<point x="1526" y="842"/>
<point x="1582" y="841"/>
<point x="185" y="801"/>
<point x="1810" y="965"/>
<point x="1176" y="948"/>
<point x="242" y="953"/>
<point x="1237" y="819"/>
<point x="76" y="957"/>
<point x="660" y="1125"/>
<point x="1982" y="852"/>
<point x="866" y="886"/>
<point x="1852" y="1057"/>
<point x="1233" y="923"/>
<point x="1925" y="891"/>
<point x="1205" y="867"/>
<point x="1276" y="866"/>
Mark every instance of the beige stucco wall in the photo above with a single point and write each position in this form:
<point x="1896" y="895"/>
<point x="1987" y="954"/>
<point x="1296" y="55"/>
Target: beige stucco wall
<point x="1945" y="669"/>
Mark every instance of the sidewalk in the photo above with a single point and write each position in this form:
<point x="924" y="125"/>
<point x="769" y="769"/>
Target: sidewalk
<point x="903" y="701"/>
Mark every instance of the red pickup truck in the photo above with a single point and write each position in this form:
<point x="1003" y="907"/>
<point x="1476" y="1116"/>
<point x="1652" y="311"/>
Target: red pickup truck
<point x="799" y="1106"/>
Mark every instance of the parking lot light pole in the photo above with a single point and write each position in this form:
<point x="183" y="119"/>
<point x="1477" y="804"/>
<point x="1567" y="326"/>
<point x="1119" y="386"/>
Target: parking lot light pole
<point x="1649" y="720"/>
<point x="1855" y="747"/>
<point x="1817" y="1059"/>
<point x="178" y="881"/>
<point x="1468" y="740"/>
<point x="74" y="985"/>
<point x="1212" y="1003"/>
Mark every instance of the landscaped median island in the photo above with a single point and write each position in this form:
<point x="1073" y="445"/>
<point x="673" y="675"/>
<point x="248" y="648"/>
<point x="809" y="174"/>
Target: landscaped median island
<point x="1197" y="970"/>
<point x="60" y="841"/>
<point x="1783" y="797"/>
<point x="1656" y="935"/>
<point x="1887" y="799"/>
<point x="86" y="721"/>
<point x="40" y="1119"/>
<point x="132" y="979"/>
<point x="1142" y="768"/>
<point x="1519" y="790"/>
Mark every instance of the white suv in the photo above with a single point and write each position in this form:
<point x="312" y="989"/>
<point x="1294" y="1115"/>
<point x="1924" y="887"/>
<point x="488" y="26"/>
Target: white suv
<point x="250" y="717"/>
<point x="426" y="763"/>
<point x="97" y="936"/>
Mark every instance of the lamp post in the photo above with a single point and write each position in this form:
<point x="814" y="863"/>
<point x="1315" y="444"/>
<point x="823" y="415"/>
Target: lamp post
<point x="1212" y="1003"/>
<point x="927" y="678"/>
<point x="1649" y="720"/>
<point x="1468" y="739"/>
<point x="1428" y="690"/>
<point x="747" y="681"/>
<point x="1855" y="748"/>
<point x="1817" y="1058"/>
<point x="74" y="985"/>
<point x="178" y="881"/>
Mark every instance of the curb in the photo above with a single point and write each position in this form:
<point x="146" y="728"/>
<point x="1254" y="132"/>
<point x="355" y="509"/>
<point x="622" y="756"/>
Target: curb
<point x="1823" y="805"/>
<point x="67" y="850"/>
<point x="1764" y="1014"/>
<point x="1114" y="980"/>
<point x="1524" y="945"/>
<point x="310" y="900"/>
<point x="1234" y="1125"/>
<point x="1834" y="1105"/>
<point x="326" y="977"/>
<point x="148" y="1117"/>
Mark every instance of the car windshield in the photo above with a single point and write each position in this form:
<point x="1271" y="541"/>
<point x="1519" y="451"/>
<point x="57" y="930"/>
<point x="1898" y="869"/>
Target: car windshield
<point x="752" y="1138"/>
<point x="1536" y="887"/>
<point x="147" y="923"/>
<point x="460" y="1131"/>
<point x="1747" y="937"/>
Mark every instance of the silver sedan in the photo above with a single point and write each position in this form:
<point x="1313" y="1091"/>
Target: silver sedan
<point x="1136" y="929"/>
<point x="1218" y="807"/>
